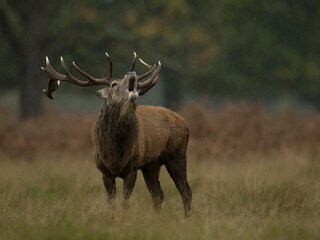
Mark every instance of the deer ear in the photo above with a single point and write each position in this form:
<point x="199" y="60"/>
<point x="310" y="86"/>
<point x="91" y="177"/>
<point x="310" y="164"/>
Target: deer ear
<point x="101" y="93"/>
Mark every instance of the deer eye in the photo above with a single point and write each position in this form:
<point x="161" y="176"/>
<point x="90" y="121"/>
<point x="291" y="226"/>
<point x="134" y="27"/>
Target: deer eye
<point x="114" y="85"/>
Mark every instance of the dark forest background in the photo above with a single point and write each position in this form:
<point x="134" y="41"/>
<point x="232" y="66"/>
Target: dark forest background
<point x="223" y="49"/>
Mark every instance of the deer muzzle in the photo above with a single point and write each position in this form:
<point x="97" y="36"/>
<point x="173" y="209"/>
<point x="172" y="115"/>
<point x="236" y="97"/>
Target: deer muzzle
<point x="133" y="95"/>
<point x="132" y="86"/>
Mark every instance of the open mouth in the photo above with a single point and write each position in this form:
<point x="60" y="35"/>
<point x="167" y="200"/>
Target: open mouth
<point x="131" y="83"/>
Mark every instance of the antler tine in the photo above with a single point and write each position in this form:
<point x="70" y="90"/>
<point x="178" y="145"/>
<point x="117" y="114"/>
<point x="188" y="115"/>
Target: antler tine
<point x="54" y="81"/>
<point x="133" y="61"/>
<point x="151" y="68"/>
<point x="146" y="89"/>
<point x="147" y="73"/>
<point x="152" y="78"/>
<point x="91" y="79"/>
<point x="97" y="81"/>
<point x="69" y="76"/>
<point x="145" y="64"/>
<point x="54" y="75"/>
<point x="51" y="72"/>
<point x="110" y="65"/>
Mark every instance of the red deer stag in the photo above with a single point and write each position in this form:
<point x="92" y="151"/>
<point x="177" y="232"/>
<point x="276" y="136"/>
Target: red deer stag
<point x="128" y="137"/>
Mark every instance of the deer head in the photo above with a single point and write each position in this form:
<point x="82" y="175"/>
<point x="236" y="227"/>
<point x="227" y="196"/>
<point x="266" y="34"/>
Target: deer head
<point x="116" y="90"/>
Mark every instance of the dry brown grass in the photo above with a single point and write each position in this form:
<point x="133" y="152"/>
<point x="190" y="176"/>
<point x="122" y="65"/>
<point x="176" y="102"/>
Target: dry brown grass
<point x="254" y="175"/>
<point x="247" y="128"/>
<point x="50" y="134"/>
<point x="250" y="199"/>
<point x="215" y="133"/>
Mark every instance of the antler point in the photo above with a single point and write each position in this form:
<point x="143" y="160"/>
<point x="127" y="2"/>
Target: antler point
<point x="143" y="62"/>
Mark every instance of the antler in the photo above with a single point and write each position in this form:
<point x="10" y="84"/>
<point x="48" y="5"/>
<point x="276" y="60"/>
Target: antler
<point x="153" y="80"/>
<point x="153" y="71"/>
<point x="56" y="77"/>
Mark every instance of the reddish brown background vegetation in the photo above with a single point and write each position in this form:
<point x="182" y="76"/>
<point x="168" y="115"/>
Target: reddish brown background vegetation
<point x="231" y="130"/>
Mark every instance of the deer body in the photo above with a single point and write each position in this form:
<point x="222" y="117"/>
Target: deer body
<point x="128" y="138"/>
<point x="148" y="135"/>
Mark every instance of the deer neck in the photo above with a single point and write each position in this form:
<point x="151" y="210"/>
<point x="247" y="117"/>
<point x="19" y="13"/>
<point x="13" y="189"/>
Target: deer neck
<point x="118" y="133"/>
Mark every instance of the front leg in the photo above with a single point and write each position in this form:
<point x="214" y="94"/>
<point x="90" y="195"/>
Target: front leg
<point x="109" y="182"/>
<point x="128" y="184"/>
<point x="110" y="186"/>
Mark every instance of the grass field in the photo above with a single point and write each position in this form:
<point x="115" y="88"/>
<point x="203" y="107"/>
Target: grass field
<point x="253" y="176"/>
<point x="259" y="197"/>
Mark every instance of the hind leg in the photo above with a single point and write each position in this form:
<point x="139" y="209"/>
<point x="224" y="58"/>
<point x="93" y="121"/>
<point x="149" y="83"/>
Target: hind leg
<point x="151" y="177"/>
<point x="177" y="168"/>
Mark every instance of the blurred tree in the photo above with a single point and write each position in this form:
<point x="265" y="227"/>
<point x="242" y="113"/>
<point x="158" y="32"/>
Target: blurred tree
<point x="229" y="48"/>
<point x="169" y="31"/>
<point x="266" y="48"/>
<point x="238" y="48"/>
<point x="23" y="25"/>
<point x="33" y="28"/>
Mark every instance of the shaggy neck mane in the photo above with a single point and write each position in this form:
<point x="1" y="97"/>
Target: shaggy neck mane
<point x="117" y="133"/>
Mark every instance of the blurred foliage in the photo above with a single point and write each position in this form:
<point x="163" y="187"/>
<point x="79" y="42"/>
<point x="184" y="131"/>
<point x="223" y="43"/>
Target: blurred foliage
<point x="230" y="48"/>
<point x="216" y="133"/>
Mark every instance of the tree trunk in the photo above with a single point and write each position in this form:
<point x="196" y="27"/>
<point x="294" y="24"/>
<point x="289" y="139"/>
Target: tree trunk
<point x="31" y="87"/>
